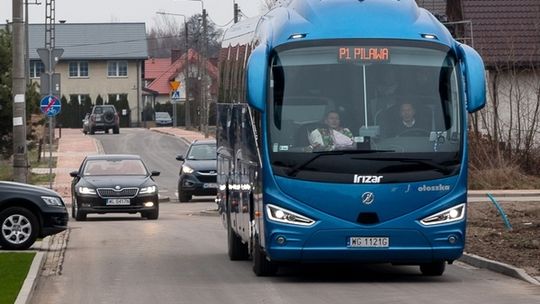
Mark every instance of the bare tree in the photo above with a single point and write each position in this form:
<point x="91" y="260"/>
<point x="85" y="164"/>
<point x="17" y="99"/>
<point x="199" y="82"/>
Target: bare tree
<point x="169" y="34"/>
<point x="269" y="4"/>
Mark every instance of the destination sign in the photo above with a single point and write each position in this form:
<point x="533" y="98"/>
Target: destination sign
<point x="363" y="54"/>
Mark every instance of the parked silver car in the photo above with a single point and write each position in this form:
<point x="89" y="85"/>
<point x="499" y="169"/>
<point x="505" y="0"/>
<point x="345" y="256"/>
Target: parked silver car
<point x="163" y="119"/>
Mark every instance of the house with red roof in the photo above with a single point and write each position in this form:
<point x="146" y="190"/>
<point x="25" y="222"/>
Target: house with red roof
<point x="160" y="72"/>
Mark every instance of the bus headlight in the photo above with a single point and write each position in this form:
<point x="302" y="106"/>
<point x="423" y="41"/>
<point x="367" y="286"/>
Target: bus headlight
<point x="282" y="215"/>
<point x="453" y="214"/>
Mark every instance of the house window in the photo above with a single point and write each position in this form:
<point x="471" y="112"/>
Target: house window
<point x="36" y="68"/>
<point x="117" y="69"/>
<point x="78" y="69"/>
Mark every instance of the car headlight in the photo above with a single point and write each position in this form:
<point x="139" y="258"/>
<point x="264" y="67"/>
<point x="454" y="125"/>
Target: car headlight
<point x="148" y="190"/>
<point x="53" y="201"/>
<point x="186" y="169"/>
<point x="282" y="215"/>
<point x="86" y="190"/>
<point x="453" y="214"/>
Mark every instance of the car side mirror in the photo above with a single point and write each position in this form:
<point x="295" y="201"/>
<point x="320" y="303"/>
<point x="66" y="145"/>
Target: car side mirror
<point x="475" y="78"/>
<point x="257" y="75"/>
<point x="155" y="173"/>
<point x="180" y="157"/>
<point x="74" y="173"/>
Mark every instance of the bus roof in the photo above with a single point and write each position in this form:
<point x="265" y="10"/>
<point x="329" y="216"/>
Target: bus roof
<point x="339" y="19"/>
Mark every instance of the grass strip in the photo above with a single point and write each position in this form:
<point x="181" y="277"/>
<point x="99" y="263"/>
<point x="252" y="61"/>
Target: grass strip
<point x="13" y="270"/>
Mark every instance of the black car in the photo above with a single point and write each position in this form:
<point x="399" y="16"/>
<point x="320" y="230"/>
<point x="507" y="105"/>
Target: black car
<point x="198" y="172"/>
<point x="114" y="184"/>
<point x="28" y="212"/>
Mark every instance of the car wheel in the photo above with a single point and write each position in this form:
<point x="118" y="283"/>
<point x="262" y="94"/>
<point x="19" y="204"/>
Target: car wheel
<point x="85" y="132"/>
<point x="106" y="131"/>
<point x="183" y="197"/>
<point x="116" y="130"/>
<point x="18" y="228"/>
<point x="262" y="267"/>
<point x="152" y="215"/>
<point x="433" y="269"/>
<point x="77" y="213"/>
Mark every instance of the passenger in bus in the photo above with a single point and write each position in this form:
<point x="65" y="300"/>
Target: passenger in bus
<point x="332" y="136"/>
<point x="407" y="124"/>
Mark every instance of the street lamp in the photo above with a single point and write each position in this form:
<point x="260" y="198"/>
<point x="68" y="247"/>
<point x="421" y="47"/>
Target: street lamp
<point x="187" y="117"/>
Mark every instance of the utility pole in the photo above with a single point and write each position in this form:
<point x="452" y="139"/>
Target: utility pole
<point x="236" y="12"/>
<point x="50" y="83"/>
<point x="187" y="110"/>
<point x="204" y="88"/>
<point x="20" y="156"/>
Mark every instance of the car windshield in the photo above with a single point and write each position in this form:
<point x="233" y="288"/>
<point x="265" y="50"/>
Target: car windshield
<point x="101" y="110"/>
<point x="392" y="107"/>
<point x="202" y="152"/>
<point x="102" y="167"/>
<point x="163" y="115"/>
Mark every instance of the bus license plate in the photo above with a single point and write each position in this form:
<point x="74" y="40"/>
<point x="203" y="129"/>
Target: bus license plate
<point x="118" y="202"/>
<point x="369" y="242"/>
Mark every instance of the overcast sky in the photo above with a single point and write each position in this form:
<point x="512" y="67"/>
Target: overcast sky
<point x="91" y="11"/>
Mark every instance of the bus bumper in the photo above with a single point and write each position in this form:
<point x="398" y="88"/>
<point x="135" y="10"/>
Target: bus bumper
<point x="405" y="246"/>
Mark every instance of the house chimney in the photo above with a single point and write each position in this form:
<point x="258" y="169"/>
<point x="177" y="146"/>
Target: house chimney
<point x="175" y="55"/>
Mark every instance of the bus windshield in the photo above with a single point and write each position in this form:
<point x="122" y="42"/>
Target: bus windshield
<point x="389" y="109"/>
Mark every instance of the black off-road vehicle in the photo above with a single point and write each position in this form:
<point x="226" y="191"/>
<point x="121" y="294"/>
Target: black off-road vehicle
<point x="104" y="118"/>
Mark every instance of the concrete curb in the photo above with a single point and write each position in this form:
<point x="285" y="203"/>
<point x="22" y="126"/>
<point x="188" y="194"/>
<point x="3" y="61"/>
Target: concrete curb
<point x="30" y="283"/>
<point x="502" y="268"/>
<point x="187" y="142"/>
<point x="503" y="193"/>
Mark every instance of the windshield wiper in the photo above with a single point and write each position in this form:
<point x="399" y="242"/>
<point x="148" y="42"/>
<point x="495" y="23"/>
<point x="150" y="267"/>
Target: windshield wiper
<point x="294" y="170"/>
<point x="443" y="169"/>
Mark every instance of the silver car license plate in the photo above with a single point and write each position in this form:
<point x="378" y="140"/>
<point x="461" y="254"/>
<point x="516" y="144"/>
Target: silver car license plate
<point x="118" y="202"/>
<point x="369" y="242"/>
<point x="210" y="186"/>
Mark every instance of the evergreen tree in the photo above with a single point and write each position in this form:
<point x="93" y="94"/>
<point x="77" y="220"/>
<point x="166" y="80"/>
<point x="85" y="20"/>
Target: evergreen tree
<point x="99" y="100"/>
<point x="6" y="110"/>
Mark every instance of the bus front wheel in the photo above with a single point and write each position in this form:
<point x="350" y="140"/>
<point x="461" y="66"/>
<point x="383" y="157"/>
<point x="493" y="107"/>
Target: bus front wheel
<point x="433" y="269"/>
<point x="261" y="265"/>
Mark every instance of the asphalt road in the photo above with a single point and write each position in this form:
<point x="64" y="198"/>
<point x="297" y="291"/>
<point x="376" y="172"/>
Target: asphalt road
<point x="182" y="258"/>
<point x="157" y="150"/>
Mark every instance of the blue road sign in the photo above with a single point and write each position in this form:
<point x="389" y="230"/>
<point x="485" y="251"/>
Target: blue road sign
<point x="51" y="106"/>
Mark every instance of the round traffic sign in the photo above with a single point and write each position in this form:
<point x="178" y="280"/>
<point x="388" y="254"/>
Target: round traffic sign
<point x="50" y="105"/>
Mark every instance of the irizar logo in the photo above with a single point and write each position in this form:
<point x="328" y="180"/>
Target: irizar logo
<point x="439" y="187"/>
<point x="367" y="179"/>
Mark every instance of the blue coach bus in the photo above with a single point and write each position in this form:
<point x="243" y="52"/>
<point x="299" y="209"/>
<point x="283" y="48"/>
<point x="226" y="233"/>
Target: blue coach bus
<point x="342" y="135"/>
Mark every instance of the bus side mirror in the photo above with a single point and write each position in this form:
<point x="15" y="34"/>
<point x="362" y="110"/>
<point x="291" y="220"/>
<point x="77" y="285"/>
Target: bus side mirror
<point x="257" y="76"/>
<point x="475" y="78"/>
